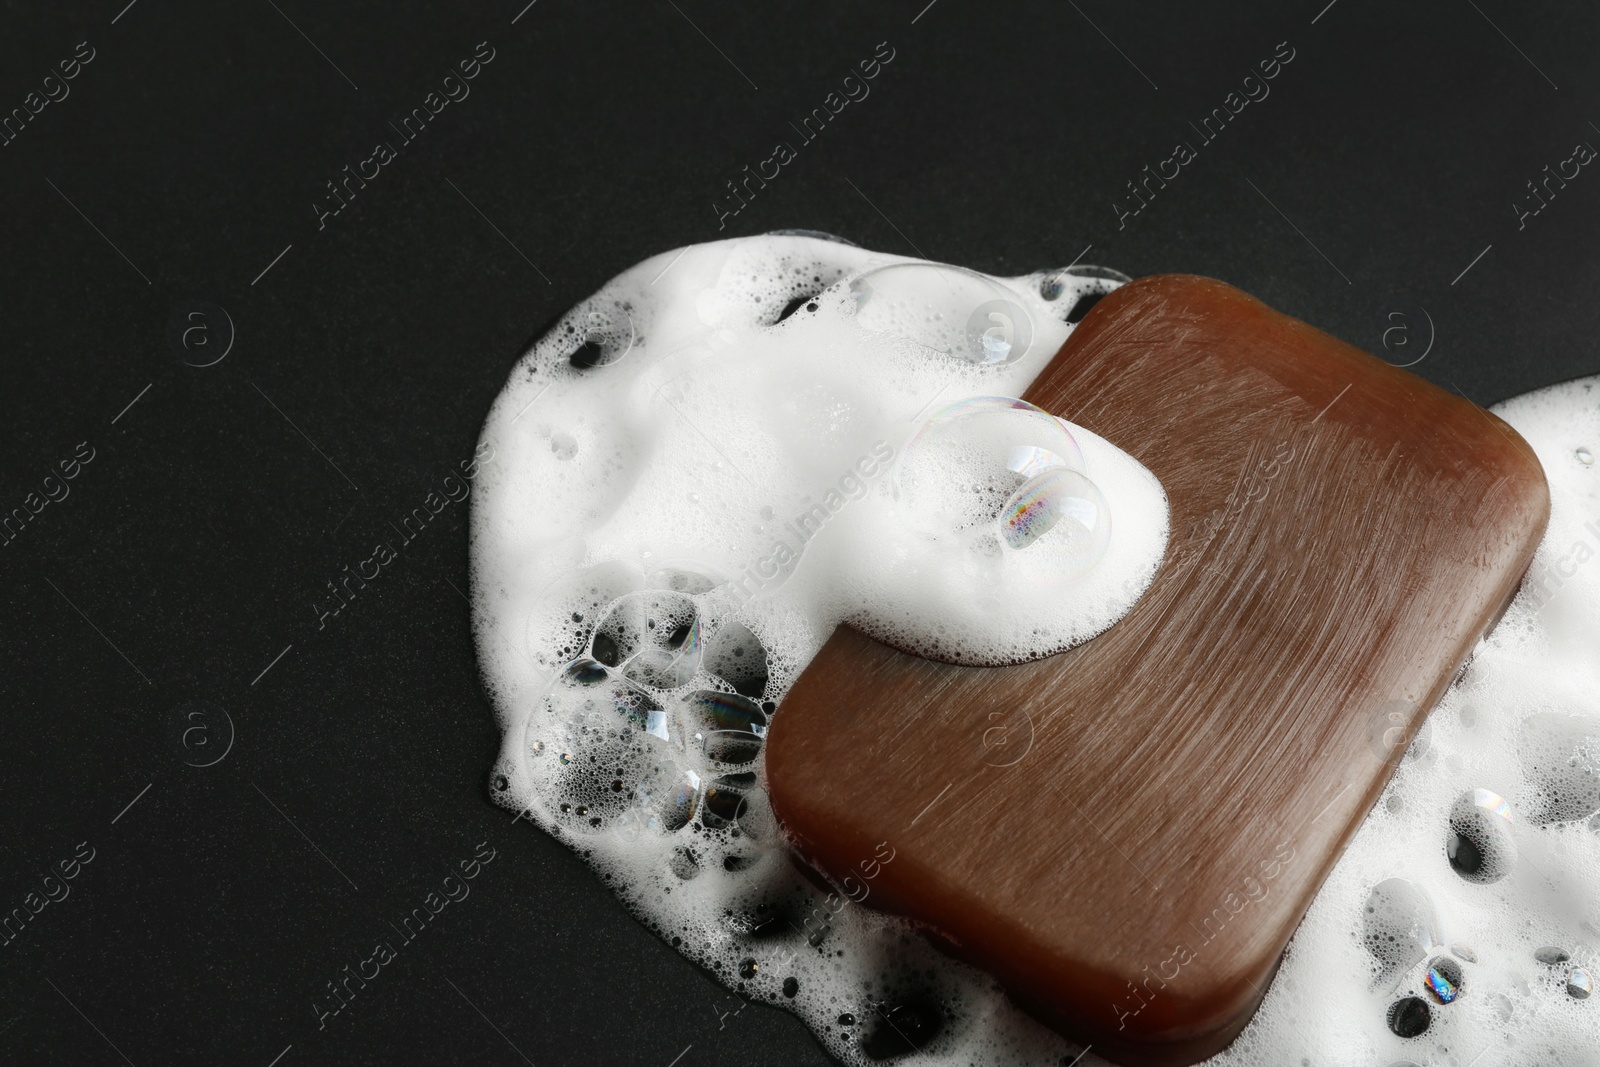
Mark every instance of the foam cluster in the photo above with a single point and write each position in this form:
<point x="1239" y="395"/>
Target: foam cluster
<point x="699" y="473"/>
<point x="729" y="450"/>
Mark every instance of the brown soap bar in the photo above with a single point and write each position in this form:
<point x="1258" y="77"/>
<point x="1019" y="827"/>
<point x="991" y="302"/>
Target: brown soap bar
<point x="1127" y="834"/>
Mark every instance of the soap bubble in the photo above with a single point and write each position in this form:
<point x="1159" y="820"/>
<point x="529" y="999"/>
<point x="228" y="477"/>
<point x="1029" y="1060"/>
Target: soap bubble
<point x="1399" y="926"/>
<point x="728" y="727"/>
<point x="1479" y="844"/>
<point x="953" y="311"/>
<point x="1579" y="984"/>
<point x="654" y="637"/>
<point x="1409" y="1016"/>
<point x="669" y="797"/>
<point x="1063" y="511"/>
<point x="1006" y="480"/>
<point x="1444" y="979"/>
<point x="600" y="334"/>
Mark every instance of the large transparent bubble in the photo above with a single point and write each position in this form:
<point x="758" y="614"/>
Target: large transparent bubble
<point x="950" y="310"/>
<point x="1004" y="481"/>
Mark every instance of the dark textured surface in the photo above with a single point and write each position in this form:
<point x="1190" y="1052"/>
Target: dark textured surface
<point x="1343" y="533"/>
<point x="199" y="538"/>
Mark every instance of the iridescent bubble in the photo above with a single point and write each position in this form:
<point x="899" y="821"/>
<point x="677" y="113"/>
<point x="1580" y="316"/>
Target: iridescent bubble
<point x="993" y="474"/>
<point x="708" y="710"/>
<point x="728" y="726"/>
<point x="968" y="460"/>
<point x="1444" y="979"/>
<point x="953" y="311"/>
<point x="1064" y="514"/>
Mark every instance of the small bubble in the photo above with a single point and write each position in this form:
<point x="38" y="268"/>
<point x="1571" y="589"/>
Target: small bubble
<point x="501" y="782"/>
<point x="1550" y="955"/>
<point x="846" y="1019"/>
<point x="748" y="968"/>
<point x="563" y="445"/>
<point x="791" y="986"/>
<point x="1464" y="951"/>
<point x="1585" y="457"/>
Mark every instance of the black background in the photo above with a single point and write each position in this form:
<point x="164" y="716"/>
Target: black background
<point x="192" y="548"/>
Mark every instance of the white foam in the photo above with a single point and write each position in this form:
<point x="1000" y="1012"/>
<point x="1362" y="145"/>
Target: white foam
<point x="746" y="484"/>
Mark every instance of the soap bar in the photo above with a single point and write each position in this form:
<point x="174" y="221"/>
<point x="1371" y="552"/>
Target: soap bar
<point x="1126" y="834"/>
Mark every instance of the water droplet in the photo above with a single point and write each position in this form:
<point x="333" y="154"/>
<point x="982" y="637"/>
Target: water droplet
<point x="1444" y="979"/>
<point x="1579" y="984"/>
<point x="1409" y="1017"/>
<point x="1585" y="456"/>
